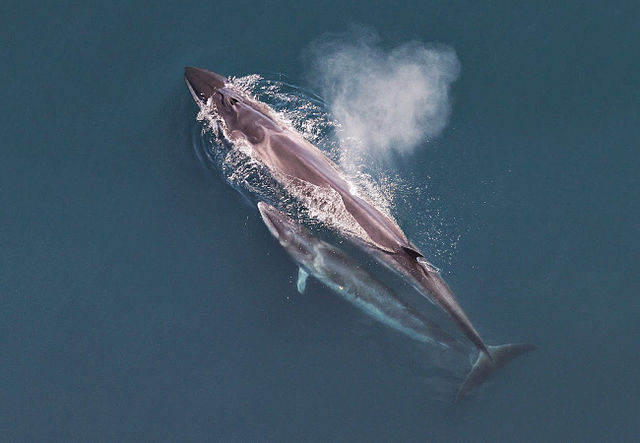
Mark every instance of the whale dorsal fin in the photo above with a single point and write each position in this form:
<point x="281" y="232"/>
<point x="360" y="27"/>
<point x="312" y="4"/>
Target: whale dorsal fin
<point x="302" y="280"/>
<point x="412" y="253"/>
<point x="417" y="256"/>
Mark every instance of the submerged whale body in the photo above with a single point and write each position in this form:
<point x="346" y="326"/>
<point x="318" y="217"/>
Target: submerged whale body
<point x="291" y="158"/>
<point x="340" y="273"/>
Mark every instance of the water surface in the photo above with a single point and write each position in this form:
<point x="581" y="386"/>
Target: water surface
<point x="142" y="299"/>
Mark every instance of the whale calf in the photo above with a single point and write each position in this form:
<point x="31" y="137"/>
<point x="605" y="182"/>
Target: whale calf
<point x="287" y="154"/>
<point x="340" y="273"/>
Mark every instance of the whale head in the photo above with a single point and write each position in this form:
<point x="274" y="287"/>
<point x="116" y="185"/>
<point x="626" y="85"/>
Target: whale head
<point x="239" y="113"/>
<point x="292" y="236"/>
<point x="205" y="85"/>
<point x="283" y="228"/>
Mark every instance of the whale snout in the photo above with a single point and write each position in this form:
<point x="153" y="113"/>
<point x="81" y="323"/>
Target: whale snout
<point x="282" y="227"/>
<point x="202" y="83"/>
<point x="269" y="216"/>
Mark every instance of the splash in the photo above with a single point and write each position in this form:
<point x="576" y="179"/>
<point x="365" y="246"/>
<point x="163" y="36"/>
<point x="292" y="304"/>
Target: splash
<point x="387" y="101"/>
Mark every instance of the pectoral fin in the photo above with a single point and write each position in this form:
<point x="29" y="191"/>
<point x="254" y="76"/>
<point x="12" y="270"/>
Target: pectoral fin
<point x="302" y="280"/>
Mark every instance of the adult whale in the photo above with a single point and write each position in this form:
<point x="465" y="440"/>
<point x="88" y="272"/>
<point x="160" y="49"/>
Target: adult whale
<point x="286" y="153"/>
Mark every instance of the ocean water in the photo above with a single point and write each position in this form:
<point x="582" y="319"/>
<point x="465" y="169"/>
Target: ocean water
<point x="141" y="297"/>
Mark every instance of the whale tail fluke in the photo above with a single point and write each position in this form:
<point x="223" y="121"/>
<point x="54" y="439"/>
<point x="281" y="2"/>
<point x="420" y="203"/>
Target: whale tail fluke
<point x="484" y="367"/>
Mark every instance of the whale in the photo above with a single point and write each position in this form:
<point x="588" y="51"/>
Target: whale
<point x="287" y="154"/>
<point x="343" y="275"/>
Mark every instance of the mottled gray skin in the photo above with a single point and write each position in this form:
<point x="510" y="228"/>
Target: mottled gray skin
<point x="286" y="152"/>
<point x="340" y="273"/>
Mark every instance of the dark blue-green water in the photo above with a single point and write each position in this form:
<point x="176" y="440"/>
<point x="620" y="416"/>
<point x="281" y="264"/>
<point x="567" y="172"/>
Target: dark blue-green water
<point x="142" y="299"/>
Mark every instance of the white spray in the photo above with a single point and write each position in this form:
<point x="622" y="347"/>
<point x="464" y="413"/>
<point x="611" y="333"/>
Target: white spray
<point x="385" y="101"/>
